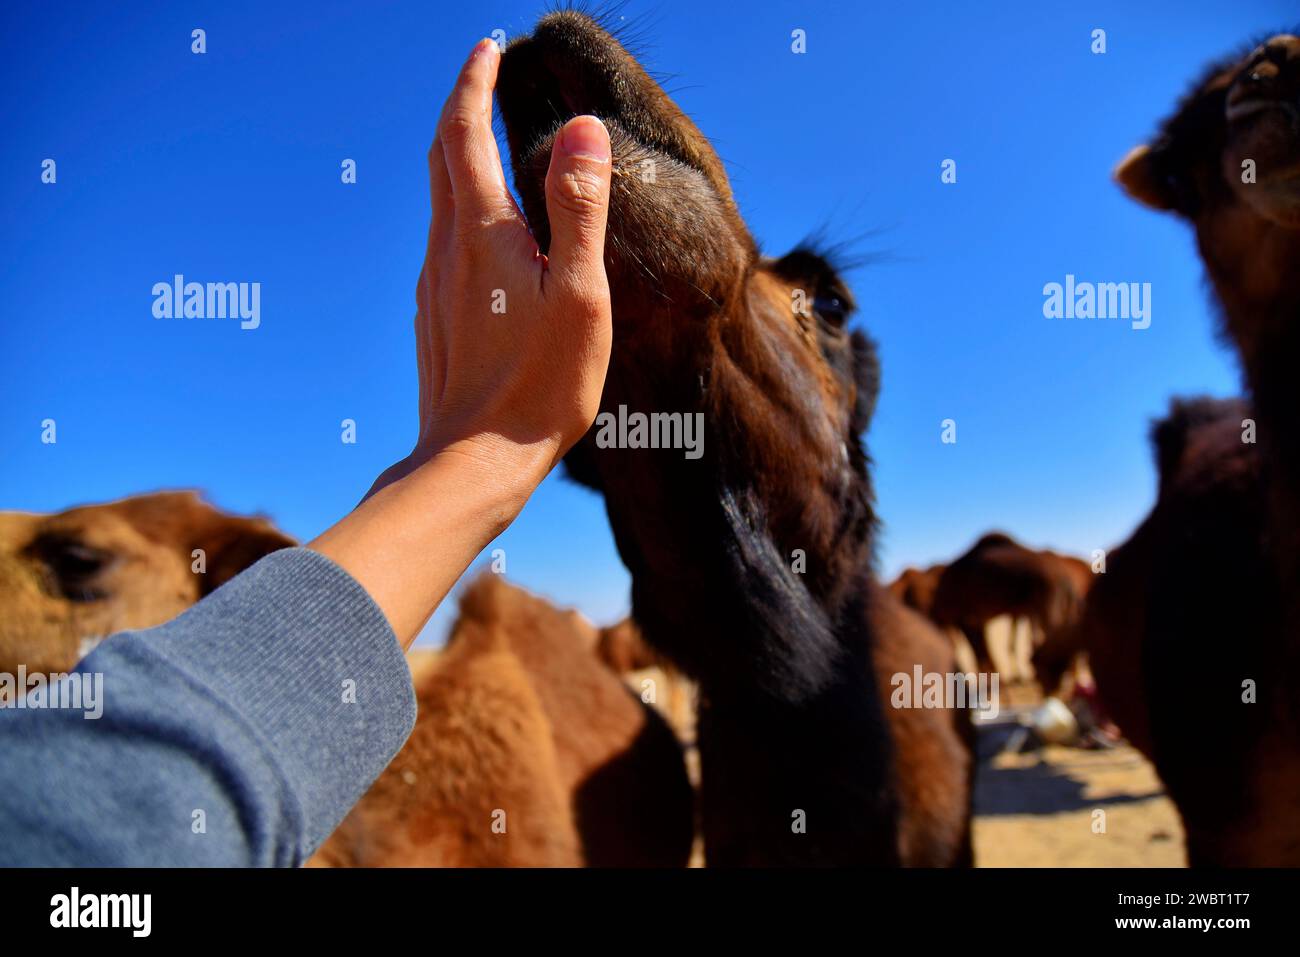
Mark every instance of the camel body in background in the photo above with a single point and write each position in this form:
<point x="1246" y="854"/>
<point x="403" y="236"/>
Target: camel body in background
<point x="526" y="750"/>
<point x="1194" y="631"/>
<point x="1190" y="608"/>
<point x="915" y="587"/>
<point x="1061" y="653"/>
<point x="751" y="564"/>
<point x="999" y="576"/>
<point x="655" y="678"/>
<point x="622" y="649"/>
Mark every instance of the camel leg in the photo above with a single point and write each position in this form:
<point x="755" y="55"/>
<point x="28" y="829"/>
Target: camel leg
<point x="1024" y="649"/>
<point x="1037" y="638"/>
<point x="678" y="707"/>
<point x="1013" y="650"/>
<point x="1009" y="660"/>
<point x="979" y="646"/>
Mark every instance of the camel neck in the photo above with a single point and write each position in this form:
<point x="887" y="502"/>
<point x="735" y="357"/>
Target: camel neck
<point x="1252" y="264"/>
<point x="751" y="570"/>
<point x="808" y="783"/>
<point x="1275" y="393"/>
<point x="744" y="551"/>
<point x="794" y="746"/>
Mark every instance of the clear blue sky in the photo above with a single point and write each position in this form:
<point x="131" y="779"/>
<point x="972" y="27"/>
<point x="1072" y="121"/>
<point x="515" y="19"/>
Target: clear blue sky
<point x="225" y="167"/>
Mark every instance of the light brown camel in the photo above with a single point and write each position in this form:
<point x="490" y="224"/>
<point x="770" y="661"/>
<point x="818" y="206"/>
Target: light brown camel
<point x="622" y="649"/>
<point x="526" y="750"/>
<point x="656" y="679"/>
<point x="72" y="578"/>
<point x="1194" y="631"/>
<point x="751" y="560"/>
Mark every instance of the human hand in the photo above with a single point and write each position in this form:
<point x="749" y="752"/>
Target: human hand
<point x="512" y="345"/>
<point x="504" y="391"/>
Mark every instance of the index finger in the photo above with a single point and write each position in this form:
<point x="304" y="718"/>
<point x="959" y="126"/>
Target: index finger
<point x="478" y="183"/>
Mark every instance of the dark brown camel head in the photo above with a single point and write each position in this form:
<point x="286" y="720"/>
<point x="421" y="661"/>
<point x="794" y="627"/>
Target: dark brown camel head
<point x="704" y="323"/>
<point x="751" y="562"/>
<point x="1246" y="113"/>
<point x="1240" y="123"/>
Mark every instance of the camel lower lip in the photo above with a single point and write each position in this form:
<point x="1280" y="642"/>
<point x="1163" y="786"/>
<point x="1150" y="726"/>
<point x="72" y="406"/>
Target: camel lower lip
<point x="1247" y="108"/>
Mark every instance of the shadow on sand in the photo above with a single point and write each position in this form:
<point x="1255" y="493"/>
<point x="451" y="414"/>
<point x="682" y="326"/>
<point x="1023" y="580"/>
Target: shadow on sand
<point x="1041" y="788"/>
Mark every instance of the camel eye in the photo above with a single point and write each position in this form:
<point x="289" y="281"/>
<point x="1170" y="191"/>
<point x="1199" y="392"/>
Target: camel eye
<point x="73" y="567"/>
<point x="832" y="309"/>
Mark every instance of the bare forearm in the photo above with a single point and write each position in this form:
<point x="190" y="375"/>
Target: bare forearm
<point x="425" y="520"/>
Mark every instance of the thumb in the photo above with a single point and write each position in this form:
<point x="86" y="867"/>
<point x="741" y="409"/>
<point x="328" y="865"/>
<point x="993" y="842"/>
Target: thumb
<point x="577" y="198"/>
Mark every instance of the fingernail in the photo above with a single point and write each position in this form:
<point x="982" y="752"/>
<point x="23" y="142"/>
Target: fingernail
<point x="484" y="47"/>
<point x="585" y="136"/>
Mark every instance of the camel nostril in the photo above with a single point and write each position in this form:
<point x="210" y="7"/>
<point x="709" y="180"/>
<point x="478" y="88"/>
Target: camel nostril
<point x="1270" y="61"/>
<point x="1261" y="73"/>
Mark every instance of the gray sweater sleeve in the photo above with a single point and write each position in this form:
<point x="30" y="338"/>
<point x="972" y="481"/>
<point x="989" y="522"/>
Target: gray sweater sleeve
<point x="240" y="733"/>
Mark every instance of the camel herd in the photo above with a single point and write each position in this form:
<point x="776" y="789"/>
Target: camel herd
<point x="998" y="576"/>
<point x="752" y="566"/>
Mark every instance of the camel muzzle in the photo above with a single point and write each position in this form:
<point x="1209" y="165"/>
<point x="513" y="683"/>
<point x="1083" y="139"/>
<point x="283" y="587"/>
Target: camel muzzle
<point x="673" y="223"/>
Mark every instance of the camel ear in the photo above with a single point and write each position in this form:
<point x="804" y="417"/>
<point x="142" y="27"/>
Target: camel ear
<point x="182" y="520"/>
<point x="232" y="544"/>
<point x="1141" y="178"/>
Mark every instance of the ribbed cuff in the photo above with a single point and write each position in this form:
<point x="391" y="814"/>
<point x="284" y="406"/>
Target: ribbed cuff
<point x="307" y="661"/>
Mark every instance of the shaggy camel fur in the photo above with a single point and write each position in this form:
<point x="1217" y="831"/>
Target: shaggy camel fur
<point x="751" y="561"/>
<point x="526" y="752"/>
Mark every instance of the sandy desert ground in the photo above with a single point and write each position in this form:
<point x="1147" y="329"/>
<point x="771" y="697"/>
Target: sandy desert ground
<point x="1039" y="808"/>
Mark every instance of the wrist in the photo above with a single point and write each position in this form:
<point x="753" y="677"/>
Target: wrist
<point x="492" y="476"/>
<point x="425" y="520"/>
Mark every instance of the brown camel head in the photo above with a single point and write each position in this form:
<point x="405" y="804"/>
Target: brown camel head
<point x="703" y="323"/>
<point x="70" y="578"/>
<point x="1228" y="160"/>
<point x="915" y="587"/>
